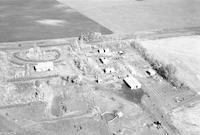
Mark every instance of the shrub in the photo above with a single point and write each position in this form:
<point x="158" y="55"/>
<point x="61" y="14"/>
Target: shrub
<point x="166" y="71"/>
<point x="90" y="36"/>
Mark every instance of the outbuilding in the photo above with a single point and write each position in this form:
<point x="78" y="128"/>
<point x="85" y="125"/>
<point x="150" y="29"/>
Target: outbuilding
<point x="121" y="52"/>
<point x="109" y="70"/>
<point x="132" y="82"/>
<point x="104" y="51"/>
<point x="44" y="66"/>
<point x="150" y="72"/>
<point x="103" y="60"/>
<point x="100" y="50"/>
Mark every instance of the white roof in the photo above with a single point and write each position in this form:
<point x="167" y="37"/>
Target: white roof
<point x="109" y="70"/>
<point x="100" y="50"/>
<point x="49" y="63"/>
<point x="44" y="66"/>
<point x="151" y="71"/>
<point x="132" y="82"/>
<point x="106" y="50"/>
<point x="120" y="114"/>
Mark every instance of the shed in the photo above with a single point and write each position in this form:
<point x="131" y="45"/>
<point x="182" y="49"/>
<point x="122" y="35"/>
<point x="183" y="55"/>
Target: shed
<point x="121" y="52"/>
<point x="100" y="50"/>
<point x="150" y="72"/>
<point x="103" y="60"/>
<point x="106" y="50"/>
<point x="109" y="70"/>
<point x="98" y="80"/>
<point x="44" y="66"/>
<point x="132" y="82"/>
<point x="119" y="114"/>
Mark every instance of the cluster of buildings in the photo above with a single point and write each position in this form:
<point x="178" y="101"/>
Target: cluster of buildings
<point x="131" y="82"/>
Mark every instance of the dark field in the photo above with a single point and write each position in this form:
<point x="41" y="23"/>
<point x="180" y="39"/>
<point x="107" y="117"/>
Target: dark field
<point x="42" y="19"/>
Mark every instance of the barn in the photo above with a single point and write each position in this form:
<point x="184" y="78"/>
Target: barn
<point x="132" y="82"/>
<point x="44" y="66"/>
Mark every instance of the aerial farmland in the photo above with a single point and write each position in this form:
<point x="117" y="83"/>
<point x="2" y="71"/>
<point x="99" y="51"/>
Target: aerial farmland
<point x="66" y="82"/>
<point x="98" y="68"/>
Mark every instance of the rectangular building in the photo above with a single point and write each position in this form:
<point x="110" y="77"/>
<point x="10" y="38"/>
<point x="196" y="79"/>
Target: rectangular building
<point x="132" y="82"/>
<point x="44" y="66"/>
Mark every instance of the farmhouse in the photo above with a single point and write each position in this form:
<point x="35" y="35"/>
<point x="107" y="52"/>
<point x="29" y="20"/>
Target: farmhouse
<point x="132" y="82"/>
<point x="44" y="66"/>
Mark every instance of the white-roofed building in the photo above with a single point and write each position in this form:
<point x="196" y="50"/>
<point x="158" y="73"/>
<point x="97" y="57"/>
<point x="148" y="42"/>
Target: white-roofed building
<point x="106" y="50"/>
<point x="100" y="51"/>
<point x="44" y="66"/>
<point x="109" y="70"/>
<point x="150" y="72"/>
<point x="132" y="82"/>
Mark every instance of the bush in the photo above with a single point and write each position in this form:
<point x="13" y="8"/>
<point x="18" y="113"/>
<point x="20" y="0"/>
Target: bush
<point x="90" y="36"/>
<point x="166" y="71"/>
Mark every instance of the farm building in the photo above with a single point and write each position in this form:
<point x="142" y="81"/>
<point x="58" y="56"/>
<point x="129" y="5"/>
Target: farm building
<point x="119" y="114"/>
<point x="121" y="52"/>
<point x="100" y="51"/>
<point x="99" y="80"/>
<point x="109" y="70"/>
<point x="44" y="66"/>
<point x="150" y="72"/>
<point x="103" y="60"/>
<point x="132" y="82"/>
<point x="106" y="50"/>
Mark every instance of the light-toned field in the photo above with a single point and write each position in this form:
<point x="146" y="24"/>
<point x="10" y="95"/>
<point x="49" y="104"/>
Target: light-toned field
<point x="187" y="119"/>
<point x="183" y="52"/>
<point x="128" y="16"/>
